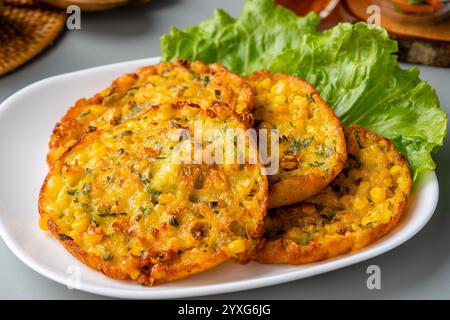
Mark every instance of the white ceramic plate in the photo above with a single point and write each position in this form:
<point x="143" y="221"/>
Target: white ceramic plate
<point x="26" y="121"/>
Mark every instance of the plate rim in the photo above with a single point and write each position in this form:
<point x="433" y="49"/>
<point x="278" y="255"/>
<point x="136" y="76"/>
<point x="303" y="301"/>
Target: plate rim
<point x="209" y="289"/>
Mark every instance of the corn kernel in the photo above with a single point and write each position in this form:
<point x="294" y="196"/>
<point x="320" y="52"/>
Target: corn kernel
<point x="80" y="157"/>
<point x="371" y="218"/>
<point x="165" y="198"/>
<point x="300" y="113"/>
<point x="96" y="110"/>
<point x="237" y="246"/>
<point x="43" y="223"/>
<point x="80" y="224"/>
<point x="139" y="97"/>
<point x="71" y="179"/>
<point x="176" y="243"/>
<point x="293" y="233"/>
<point x="135" y="248"/>
<point x="360" y="203"/>
<point x="402" y="180"/>
<point x="386" y="215"/>
<point x="266" y="83"/>
<point x="395" y="170"/>
<point x="377" y="194"/>
<point x="297" y="100"/>
<point x="92" y="237"/>
<point x="134" y="274"/>
<point x="279" y="99"/>
<point x="62" y="201"/>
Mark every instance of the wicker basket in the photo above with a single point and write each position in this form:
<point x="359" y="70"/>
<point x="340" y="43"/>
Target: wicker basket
<point x="26" y="28"/>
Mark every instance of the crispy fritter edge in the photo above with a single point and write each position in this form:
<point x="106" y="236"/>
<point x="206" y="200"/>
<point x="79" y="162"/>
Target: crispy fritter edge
<point x="162" y="273"/>
<point x="68" y="122"/>
<point x="296" y="189"/>
<point x="288" y="252"/>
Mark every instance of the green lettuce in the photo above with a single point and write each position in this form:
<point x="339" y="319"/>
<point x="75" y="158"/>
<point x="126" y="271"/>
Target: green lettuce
<point x="354" y="67"/>
<point x="262" y="32"/>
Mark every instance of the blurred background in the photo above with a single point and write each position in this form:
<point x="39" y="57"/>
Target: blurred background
<point x="28" y="27"/>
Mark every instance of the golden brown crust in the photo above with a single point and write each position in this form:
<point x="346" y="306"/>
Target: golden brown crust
<point x="350" y="229"/>
<point x="290" y="190"/>
<point x="166" y="82"/>
<point x="308" y="161"/>
<point x="284" y="251"/>
<point x="201" y="235"/>
<point x="159" y="273"/>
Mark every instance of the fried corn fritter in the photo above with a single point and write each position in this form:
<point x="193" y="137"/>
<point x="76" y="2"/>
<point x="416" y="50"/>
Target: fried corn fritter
<point x="167" y="82"/>
<point x="312" y="148"/>
<point x="362" y="204"/>
<point x="121" y="202"/>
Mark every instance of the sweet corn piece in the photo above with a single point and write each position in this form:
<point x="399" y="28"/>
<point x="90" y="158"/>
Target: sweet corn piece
<point x="266" y="83"/>
<point x="395" y="170"/>
<point x="81" y="224"/>
<point x="360" y="203"/>
<point x="135" y="248"/>
<point x="297" y="100"/>
<point x="139" y="97"/>
<point x="237" y="246"/>
<point x="294" y="232"/>
<point x="166" y="198"/>
<point x="377" y="194"/>
<point x="279" y="99"/>
<point x="385" y="215"/>
<point x="176" y="242"/>
<point x="93" y="238"/>
<point x="134" y="274"/>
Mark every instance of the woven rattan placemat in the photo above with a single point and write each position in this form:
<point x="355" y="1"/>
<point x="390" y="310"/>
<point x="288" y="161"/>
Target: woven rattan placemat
<point x="26" y="28"/>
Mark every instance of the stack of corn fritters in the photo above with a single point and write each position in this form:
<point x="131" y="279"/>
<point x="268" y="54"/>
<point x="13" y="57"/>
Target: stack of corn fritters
<point x="117" y="198"/>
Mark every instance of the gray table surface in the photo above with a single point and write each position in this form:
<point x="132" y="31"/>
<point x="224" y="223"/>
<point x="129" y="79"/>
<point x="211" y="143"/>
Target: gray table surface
<point x="418" y="269"/>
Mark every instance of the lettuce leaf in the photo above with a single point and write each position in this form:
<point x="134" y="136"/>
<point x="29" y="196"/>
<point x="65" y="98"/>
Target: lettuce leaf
<point x="354" y="67"/>
<point x="261" y="33"/>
